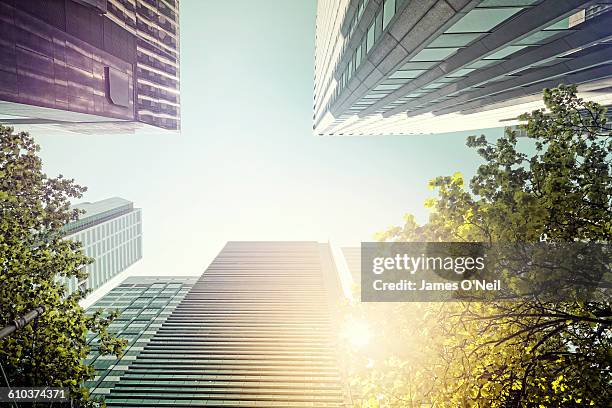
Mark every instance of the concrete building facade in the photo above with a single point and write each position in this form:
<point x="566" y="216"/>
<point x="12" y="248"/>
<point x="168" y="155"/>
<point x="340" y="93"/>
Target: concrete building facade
<point x="90" y="65"/>
<point x="432" y="66"/>
<point x="256" y="329"/>
<point x="110" y="232"/>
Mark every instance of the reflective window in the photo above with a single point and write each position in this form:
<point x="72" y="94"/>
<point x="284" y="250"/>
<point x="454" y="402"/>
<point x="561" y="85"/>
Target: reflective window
<point x="377" y="26"/>
<point x="504" y="52"/>
<point x="460" y="73"/>
<point x="387" y="87"/>
<point x="539" y="37"/>
<point x="434" y="85"/>
<point x="482" y="20"/>
<point x="454" y="40"/>
<point x="559" y="25"/>
<point x="408" y="74"/>
<point x="480" y="64"/>
<point x="434" y="54"/>
<point x="370" y="38"/>
<point x="388" y="12"/>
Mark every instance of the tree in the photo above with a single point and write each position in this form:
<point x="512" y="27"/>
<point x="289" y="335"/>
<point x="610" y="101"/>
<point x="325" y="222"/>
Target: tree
<point x="520" y="353"/>
<point x="35" y="260"/>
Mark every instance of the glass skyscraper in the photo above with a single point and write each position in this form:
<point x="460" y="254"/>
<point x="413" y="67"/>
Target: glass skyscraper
<point x="111" y="232"/>
<point x="431" y="66"/>
<point x="90" y="66"/>
<point x="145" y="302"/>
<point x="256" y="329"/>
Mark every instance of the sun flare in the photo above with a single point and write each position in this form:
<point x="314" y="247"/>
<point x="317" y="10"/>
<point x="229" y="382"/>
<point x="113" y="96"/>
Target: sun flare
<point x="357" y="333"/>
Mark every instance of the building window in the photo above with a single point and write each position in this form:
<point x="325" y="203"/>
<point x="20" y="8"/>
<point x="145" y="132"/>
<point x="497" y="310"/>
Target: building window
<point x="388" y="12"/>
<point x="117" y="87"/>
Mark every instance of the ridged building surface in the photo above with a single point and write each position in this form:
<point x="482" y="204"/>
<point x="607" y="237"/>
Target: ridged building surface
<point x="256" y="330"/>
<point x="154" y="25"/>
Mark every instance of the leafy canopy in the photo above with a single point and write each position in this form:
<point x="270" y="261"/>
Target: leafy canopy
<point x="35" y="259"/>
<point x="506" y="354"/>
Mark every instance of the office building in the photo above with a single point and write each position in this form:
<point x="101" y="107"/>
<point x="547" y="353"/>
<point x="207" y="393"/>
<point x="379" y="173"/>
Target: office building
<point x="90" y="66"/>
<point x="257" y="329"/>
<point x="432" y="66"/>
<point x="110" y="232"/>
<point x="144" y="303"/>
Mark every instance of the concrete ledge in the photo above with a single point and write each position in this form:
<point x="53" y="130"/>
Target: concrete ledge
<point x="592" y="32"/>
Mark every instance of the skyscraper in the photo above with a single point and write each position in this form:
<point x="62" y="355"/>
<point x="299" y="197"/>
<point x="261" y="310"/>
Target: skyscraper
<point x="409" y="67"/>
<point x="352" y="258"/>
<point x="145" y="302"/>
<point x="90" y="65"/>
<point x="257" y="329"/>
<point x="111" y="232"/>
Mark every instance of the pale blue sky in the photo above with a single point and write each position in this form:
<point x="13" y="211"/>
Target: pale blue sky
<point x="246" y="166"/>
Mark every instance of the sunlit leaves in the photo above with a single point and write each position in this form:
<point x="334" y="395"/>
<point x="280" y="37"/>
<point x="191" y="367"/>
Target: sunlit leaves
<point x="520" y="353"/>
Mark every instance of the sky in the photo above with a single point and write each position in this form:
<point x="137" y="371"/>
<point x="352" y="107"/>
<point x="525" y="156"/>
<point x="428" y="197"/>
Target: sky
<point x="246" y="165"/>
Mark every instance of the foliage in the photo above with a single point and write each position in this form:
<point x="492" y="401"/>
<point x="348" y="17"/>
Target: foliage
<point x="35" y="259"/>
<point x="508" y="354"/>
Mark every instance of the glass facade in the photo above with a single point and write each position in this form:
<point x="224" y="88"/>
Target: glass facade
<point x="144" y="303"/>
<point x="400" y="64"/>
<point x="110" y="231"/>
<point x="256" y="329"/>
